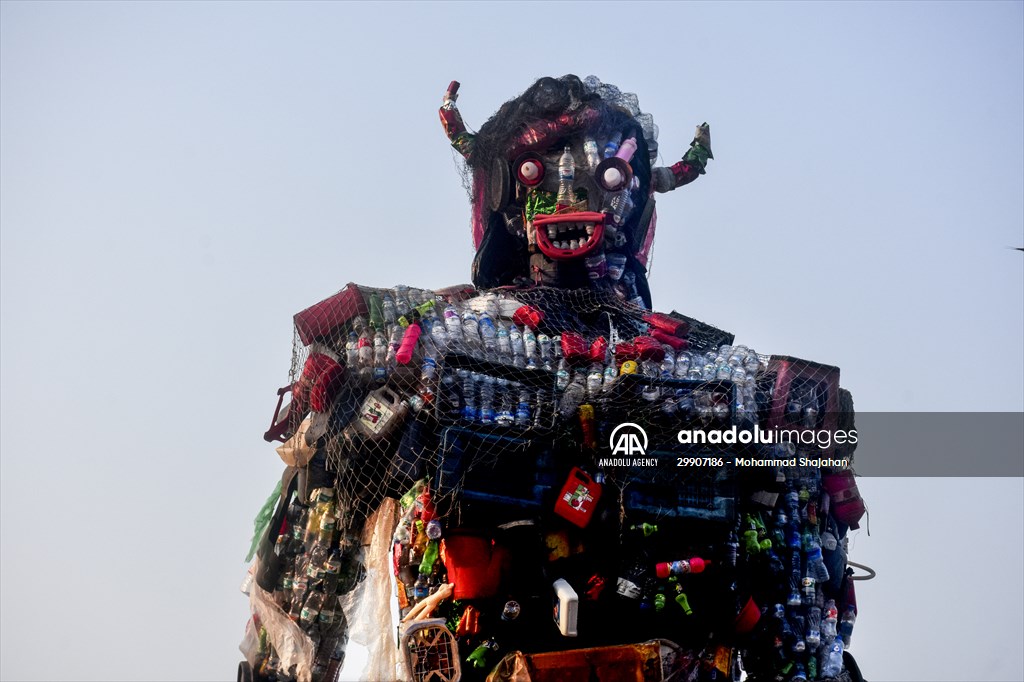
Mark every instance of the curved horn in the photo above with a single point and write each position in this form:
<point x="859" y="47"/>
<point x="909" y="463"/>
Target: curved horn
<point x="452" y="122"/>
<point x="692" y="165"/>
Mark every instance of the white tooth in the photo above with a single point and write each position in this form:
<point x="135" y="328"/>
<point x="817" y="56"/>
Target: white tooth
<point x="557" y="245"/>
<point x="552" y="231"/>
<point x="590" y="228"/>
<point x="574" y="244"/>
<point x="561" y="228"/>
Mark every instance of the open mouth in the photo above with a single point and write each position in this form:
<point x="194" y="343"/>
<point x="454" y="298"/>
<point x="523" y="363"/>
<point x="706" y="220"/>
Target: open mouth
<point x="569" y="235"/>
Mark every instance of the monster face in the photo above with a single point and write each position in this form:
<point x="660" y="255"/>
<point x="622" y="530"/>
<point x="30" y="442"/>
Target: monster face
<point x="562" y="187"/>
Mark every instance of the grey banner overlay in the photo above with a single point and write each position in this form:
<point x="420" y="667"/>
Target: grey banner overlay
<point x="940" y="444"/>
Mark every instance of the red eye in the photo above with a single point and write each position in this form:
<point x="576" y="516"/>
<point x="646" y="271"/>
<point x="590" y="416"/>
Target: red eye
<point x="529" y="169"/>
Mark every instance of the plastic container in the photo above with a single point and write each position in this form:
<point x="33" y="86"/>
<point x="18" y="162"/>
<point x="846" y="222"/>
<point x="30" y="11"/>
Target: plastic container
<point x="381" y="412"/>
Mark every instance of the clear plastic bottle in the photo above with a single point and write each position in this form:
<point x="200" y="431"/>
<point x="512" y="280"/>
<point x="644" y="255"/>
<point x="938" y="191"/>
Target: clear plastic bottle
<point x="469" y="412"/>
<point x="522" y="416"/>
<point x="311" y="610"/>
<point x="471" y="330"/>
<point x="504" y="343"/>
<point x="453" y="324"/>
<point x="573" y="397"/>
<point x="544" y="349"/>
<point x="610" y="375"/>
<point x="505" y="415"/>
<point x="515" y="337"/>
<point x="815" y="564"/>
<point x="813" y="637"/>
<point x="668" y="364"/>
<point x="832" y="660"/>
<point x="682" y="367"/>
<point x="617" y="205"/>
<point x="829" y="621"/>
<point x="380" y="355"/>
<point x="562" y="375"/>
<point x="395" y="334"/>
<point x="439" y="333"/>
<point x="541" y="410"/>
<point x="612" y="146"/>
<point x="352" y="349"/>
<point x="591" y="154"/>
<point x="488" y="334"/>
<point x="566" y="175"/>
<point x="530" y="344"/>
<point x="595" y="381"/>
<point x="364" y="350"/>
<point x="486" y="410"/>
<point x="846" y="625"/>
<point x="388" y="309"/>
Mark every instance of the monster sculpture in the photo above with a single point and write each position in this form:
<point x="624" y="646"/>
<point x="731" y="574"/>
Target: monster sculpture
<point x="514" y="481"/>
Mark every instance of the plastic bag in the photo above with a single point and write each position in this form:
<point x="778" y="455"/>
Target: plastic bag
<point x="262" y="520"/>
<point x="368" y="607"/>
<point x="292" y="645"/>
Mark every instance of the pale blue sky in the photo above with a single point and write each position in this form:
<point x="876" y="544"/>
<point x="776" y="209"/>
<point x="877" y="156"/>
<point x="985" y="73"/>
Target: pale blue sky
<point x="178" y="179"/>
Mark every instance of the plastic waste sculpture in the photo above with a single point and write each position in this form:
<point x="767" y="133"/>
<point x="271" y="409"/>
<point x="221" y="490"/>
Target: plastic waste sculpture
<point x="537" y="478"/>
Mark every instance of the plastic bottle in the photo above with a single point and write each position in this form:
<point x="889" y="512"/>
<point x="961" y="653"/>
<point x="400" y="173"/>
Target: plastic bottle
<point x="541" y="410"/>
<point x="572" y="398"/>
<point x="544" y="348"/>
<point x="846" y="625"/>
<point x="522" y="416"/>
<point x="668" y="364"/>
<point x="530" y="344"/>
<point x="591" y="154"/>
<point x="612" y="146"/>
<point x="566" y="175"/>
<point x="616" y="205"/>
<point x="681" y="567"/>
<point x="438" y="333"/>
<point x="815" y="564"/>
<point x="469" y="412"/>
<point x="352" y="349"/>
<point x="380" y="356"/>
<point x="505" y="415"/>
<point x="311" y="610"/>
<point x="832" y="661"/>
<point x="562" y="375"/>
<point x="364" y="350"/>
<point x="829" y="622"/>
<point x="515" y="337"/>
<point x="388" y="309"/>
<point x="504" y="343"/>
<point x="429" y="557"/>
<point x="376" y="318"/>
<point x="486" y="406"/>
<point x="595" y="381"/>
<point x="471" y="330"/>
<point x="813" y="637"/>
<point x="488" y="332"/>
<point x="395" y="334"/>
<point x="732" y="549"/>
<point x="453" y="324"/>
<point x="478" y="657"/>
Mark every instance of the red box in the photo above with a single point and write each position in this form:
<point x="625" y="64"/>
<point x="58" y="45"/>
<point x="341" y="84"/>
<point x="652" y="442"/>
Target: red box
<point x="319" y="320"/>
<point x="799" y="385"/>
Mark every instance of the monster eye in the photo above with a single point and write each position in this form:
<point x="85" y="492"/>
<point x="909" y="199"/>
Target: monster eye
<point x="529" y="169"/>
<point x="613" y="174"/>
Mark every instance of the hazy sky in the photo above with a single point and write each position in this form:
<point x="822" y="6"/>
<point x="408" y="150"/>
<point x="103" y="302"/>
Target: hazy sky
<point x="178" y="179"/>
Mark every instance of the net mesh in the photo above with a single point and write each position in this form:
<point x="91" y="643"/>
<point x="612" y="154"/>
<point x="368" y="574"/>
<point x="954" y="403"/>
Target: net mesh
<point x="547" y="424"/>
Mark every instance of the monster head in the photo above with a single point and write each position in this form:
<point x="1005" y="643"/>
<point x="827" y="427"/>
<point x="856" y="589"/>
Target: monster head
<point x="562" y="184"/>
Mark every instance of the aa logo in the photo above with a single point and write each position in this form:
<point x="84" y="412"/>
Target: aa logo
<point x="628" y="439"/>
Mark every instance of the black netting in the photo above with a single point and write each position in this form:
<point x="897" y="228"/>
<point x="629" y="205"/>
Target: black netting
<point x="504" y="421"/>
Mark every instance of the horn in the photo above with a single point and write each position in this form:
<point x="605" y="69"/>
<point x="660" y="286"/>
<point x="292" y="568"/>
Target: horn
<point x="452" y="122"/>
<point x="692" y="165"/>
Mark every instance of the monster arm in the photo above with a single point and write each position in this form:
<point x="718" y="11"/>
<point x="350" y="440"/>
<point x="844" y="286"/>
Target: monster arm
<point x="692" y="164"/>
<point x="451" y="119"/>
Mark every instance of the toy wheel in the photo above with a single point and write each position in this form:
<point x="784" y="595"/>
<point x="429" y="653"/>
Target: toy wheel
<point x="245" y="672"/>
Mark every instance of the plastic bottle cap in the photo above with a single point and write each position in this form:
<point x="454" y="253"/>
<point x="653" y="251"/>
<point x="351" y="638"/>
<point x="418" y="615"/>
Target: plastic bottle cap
<point x="612" y="177"/>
